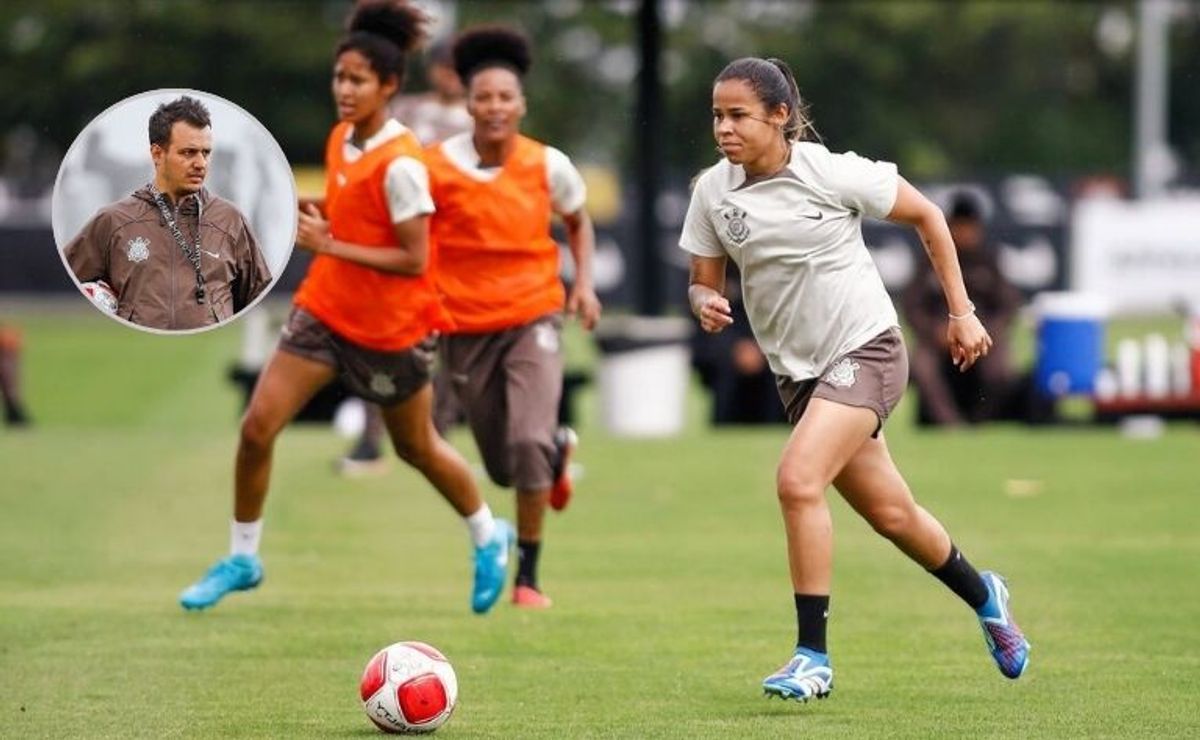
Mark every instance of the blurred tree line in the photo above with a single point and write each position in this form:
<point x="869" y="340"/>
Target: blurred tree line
<point x="943" y="88"/>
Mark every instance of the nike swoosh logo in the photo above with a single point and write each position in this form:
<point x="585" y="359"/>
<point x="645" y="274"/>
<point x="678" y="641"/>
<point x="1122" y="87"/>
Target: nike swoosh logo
<point x="214" y="255"/>
<point x="819" y="215"/>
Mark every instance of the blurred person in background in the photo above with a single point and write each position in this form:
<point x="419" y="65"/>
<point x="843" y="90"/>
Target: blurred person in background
<point x="789" y="213"/>
<point x="175" y="256"/>
<point x="733" y="368"/>
<point x="432" y="116"/>
<point x="365" y="310"/>
<point x="496" y="193"/>
<point x="441" y="112"/>
<point x="10" y="376"/>
<point x="948" y="393"/>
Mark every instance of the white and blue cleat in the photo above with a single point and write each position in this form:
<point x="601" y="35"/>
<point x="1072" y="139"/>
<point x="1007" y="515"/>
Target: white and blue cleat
<point x="491" y="567"/>
<point x="807" y="675"/>
<point x="233" y="573"/>
<point x="1005" y="641"/>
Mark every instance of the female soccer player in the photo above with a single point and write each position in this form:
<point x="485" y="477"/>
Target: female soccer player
<point x="365" y="310"/>
<point x="789" y="213"/>
<point x="498" y="274"/>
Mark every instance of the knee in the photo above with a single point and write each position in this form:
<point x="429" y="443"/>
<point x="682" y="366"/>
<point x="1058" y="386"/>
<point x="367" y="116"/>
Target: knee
<point x="891" y="521"/>
<point x="257" y="433"/>
<point x="417" y="452"/>
<point x="798" y="486"/>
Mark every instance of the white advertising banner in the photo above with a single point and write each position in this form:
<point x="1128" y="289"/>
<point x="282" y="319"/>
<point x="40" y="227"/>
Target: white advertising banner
<point x="1143" y="256"/>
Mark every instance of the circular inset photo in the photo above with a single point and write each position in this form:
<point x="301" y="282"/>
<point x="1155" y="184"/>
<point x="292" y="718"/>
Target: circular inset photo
<point x="174" y="211"/>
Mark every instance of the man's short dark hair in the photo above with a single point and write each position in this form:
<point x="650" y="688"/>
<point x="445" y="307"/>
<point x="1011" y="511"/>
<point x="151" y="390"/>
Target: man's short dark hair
<point x="965" y="206"/>
<point x="185" y="109"/>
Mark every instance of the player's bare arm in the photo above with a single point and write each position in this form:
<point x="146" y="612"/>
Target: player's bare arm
<point x="312" y="234"/>
<point x="581" y="239"/>
<point x="965" y="335"/>
<point x="706" y="293"/>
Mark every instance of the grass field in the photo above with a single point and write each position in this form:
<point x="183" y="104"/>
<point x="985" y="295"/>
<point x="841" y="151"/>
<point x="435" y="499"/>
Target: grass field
<point x="668" y="572"/>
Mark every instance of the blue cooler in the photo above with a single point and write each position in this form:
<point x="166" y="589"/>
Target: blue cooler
<point x="1070" y="342"/>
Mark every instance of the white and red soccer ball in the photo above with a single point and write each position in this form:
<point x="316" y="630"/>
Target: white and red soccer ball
<point x="101" y="295"/>
<point x="409" y="688"/>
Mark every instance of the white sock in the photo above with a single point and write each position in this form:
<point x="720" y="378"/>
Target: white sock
<point x="481" y="525"/>
<point x="244" y="537"/>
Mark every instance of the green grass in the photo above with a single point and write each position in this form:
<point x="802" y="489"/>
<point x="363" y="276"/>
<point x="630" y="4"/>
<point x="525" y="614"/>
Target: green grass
<point x="668" y="573"/>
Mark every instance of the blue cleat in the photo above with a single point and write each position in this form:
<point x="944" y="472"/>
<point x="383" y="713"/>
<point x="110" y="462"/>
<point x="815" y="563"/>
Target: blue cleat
<point x="491" y="567"/>
<point x="234" y="573"/>
<point x="807" y="675"/>
<point x="1005" y="640"/>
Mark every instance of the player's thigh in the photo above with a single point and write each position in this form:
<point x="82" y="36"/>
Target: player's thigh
<point x="410" y="422"/>
<point x="870" y="481"/>
<point x="287" y="383"/>
<point x="822" y="442"/>
<point x="533" y="370"/>
<point x="476" y="367"/>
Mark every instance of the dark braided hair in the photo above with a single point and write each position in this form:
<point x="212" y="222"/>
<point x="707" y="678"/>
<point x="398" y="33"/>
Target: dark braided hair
<point x="483" y="47"/>
<point x="385" y="32"/>
<point x="772" y="81"/>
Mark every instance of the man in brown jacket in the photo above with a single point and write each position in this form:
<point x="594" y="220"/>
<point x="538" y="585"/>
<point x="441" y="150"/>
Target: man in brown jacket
<point x="176" y="256"/>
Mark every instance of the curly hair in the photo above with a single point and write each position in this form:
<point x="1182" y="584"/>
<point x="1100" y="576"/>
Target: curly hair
<point x="385" y="32"/>
<point x="483" y="47"/>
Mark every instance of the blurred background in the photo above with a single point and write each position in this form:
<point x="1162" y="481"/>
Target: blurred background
<point x="1061" y="138"/>
<point x="1068" y="132"/>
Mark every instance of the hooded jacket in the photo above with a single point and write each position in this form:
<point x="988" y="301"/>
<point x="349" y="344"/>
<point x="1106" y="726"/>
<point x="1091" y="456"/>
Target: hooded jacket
<point x="129" y="246"/>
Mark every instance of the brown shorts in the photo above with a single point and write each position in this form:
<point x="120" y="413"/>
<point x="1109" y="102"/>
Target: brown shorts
<point x="385" y="378"/>
<point x="510" y="382"/>
<point x="873" y="376"/>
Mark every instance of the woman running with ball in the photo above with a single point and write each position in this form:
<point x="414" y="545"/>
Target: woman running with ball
<point x="789" y="213"/>
<point x="365" y="310"/>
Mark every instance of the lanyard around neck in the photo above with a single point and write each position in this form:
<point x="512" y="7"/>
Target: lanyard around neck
<point x="192" y="253"/>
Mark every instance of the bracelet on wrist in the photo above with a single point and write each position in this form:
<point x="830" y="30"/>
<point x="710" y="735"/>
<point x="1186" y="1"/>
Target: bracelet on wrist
<point x="970" y="312"/>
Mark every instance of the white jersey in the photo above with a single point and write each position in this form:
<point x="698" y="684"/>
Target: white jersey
<point x="810" y="288"/>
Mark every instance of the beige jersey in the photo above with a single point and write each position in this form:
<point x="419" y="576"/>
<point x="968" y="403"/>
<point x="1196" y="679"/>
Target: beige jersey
<point x="810" y="288"/>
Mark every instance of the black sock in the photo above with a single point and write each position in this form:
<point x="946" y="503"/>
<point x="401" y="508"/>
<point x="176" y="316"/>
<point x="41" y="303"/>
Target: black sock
<point x="962" y="578"/>
<point x="527" y="562"/>
<point x="812" y="614"/>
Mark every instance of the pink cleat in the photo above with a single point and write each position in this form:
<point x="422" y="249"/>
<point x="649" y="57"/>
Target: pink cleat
<point x="565" y="440"/>
<point x="528" y="597"/>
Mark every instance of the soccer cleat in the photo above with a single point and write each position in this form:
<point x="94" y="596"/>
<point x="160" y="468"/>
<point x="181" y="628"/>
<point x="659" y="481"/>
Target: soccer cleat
<point x="806" y="676"/>
<point x="565" y="441"/>
<point x="234" y="573"/>
<point x="528" y="597"/>
<point x="1005" y="640"/>
<point x="491" y="567"/>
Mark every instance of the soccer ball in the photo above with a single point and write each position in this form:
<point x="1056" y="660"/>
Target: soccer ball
<point x="409" y="688"/>
<point x="101" y="295"/>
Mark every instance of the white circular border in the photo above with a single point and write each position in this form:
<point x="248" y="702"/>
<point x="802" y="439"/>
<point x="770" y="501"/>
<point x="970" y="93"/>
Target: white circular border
<point x="204" y="97"/>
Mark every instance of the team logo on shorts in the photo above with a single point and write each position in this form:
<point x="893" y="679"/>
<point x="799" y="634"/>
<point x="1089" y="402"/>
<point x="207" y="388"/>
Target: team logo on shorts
<point x="841" y="375"/>
<point x="546" y="337"/>
<point x="381" y="385"/>
<point x="735" y="224"/>
<point x="138" y="249"/>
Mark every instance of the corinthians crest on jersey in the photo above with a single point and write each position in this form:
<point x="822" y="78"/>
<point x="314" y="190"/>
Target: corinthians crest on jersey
<point x="736" y="229"/>
<point x="137" y="249"/>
